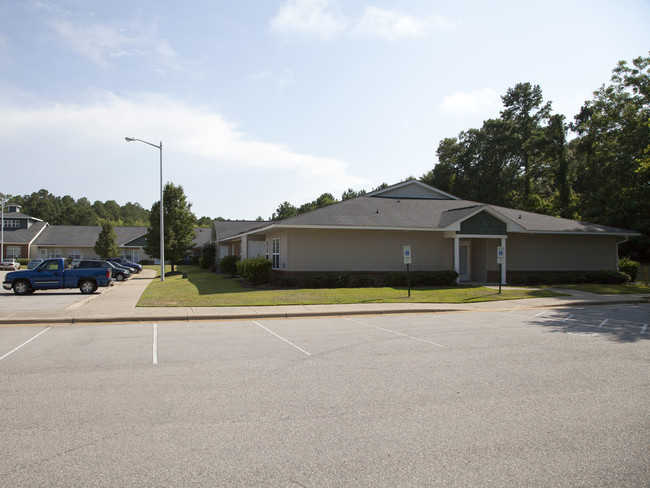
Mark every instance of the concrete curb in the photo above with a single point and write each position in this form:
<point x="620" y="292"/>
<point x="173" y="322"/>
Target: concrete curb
<point x="171" y="317"/>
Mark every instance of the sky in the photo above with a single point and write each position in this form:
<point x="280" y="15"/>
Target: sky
<point x="258" y="102"/>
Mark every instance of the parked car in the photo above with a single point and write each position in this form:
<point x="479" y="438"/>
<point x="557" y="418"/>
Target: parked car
<point x="127" y="263"/>
<point x="51" y="274"/>
<point x="118" y="274"/>
<point x="33" y="263"/>
<point x="9" y="265"/>
<point x="75" y="263"/>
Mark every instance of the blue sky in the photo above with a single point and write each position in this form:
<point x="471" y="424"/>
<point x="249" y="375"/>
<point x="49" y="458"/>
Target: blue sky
<point x="261" y="102"/>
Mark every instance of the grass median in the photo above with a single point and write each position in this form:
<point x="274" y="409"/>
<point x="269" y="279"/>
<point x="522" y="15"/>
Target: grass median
<point x="203" y="288"/>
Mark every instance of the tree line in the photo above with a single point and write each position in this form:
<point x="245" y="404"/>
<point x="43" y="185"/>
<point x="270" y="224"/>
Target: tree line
<point x="67" y="211"/>
<point x="595" y="168"/>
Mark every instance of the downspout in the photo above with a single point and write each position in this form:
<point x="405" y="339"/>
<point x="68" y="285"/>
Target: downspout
<point x="618" y="243"/>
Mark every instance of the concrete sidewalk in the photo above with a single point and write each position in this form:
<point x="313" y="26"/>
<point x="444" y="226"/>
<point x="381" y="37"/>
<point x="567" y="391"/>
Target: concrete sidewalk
<point x="118" y="304"/>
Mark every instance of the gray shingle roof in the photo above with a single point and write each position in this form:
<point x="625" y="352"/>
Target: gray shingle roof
<point x="228" y="228"/>
<point x="203" y="235"/>
<point x="431" y="214"/>
<point x="23" y="236"/>
<point x="84" y="236"/>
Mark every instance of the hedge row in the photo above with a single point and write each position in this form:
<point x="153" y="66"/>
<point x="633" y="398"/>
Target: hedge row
<point x="599" y="277"/>
<point x="421" y="278"/>
<point x="341" y="279"/>
<point x="344" y="279"/>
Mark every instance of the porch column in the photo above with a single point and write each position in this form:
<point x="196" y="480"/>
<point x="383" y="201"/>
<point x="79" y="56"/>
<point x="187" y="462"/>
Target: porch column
<point x="503" y="268"/>
<point x="457" y="258"/>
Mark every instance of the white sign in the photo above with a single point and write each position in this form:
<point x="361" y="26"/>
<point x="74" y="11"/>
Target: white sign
<point x="407" y="254"/>
<point x="501" y="255"/>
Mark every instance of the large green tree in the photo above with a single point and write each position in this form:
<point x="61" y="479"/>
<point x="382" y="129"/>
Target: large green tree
<point x="106" y="245"/>
<point x="179" y="226"/>
<point x="612" y="152"/>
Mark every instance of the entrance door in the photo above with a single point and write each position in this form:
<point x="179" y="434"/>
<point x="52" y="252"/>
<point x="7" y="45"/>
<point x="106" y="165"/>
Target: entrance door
<point x="465" y="261"/>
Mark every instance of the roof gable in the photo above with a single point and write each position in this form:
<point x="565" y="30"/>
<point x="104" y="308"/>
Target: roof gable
<point x="412" y="189"/>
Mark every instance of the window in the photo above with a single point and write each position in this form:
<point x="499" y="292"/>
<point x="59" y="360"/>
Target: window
<point x="50" y="253"/>
<point x="75" y="254"/>
<point x="275" y="255"/>
<point x="12" y="224"/>
<point x="12" y="252"/>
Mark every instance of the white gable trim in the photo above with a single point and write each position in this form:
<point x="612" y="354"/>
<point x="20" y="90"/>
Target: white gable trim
<point x="435" y="192"/>
<point x="511" y="225"/>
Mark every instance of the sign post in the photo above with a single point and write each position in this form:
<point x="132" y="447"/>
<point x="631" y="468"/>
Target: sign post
<point x="501" y="256"/>
<point x="407" y="261"/>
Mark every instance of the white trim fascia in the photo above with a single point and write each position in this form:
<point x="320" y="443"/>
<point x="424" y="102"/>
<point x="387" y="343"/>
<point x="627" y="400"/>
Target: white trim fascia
<point x="579" y="233"/>
<point x="511" y="225"/>
<point x="30" y="243"/>
<point x="519" y="230"/>
<point x="138" y="237"/>
<point x="265" y="230"/>
<point x="478" y="236"/>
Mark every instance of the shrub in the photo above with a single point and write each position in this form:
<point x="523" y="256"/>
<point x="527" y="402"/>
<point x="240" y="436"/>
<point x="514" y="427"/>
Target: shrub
<point x="340" y="279"/>
<point x="208" y="256"/>
<point x="257" y="270"/>
<point x="289" y="281"/>
<point x="629" y="267"/>
<point x="421" y="278"/>
<point x="228" y="265"/>
<point x="607" y="277"/>
<point x="395" y="278"/>
<point x="314" y="280"/>
<point x="363" y="281"/>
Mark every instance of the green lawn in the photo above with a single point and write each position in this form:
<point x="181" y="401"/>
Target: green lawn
<point x="633" y="288"/>
<point x="206" y="289"/>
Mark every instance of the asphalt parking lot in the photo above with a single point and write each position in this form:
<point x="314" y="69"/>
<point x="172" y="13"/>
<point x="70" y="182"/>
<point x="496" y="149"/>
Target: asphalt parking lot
<point x="554" y="397"/>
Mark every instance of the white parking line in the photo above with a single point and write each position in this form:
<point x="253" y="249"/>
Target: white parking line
<point x="155" y="343"/>
<point x="25" y="343"/>
<point x="644" y="328"/>
<point x="603" y="322"/>
<point x="280" y="337"/>
<point x="394" y="332"/>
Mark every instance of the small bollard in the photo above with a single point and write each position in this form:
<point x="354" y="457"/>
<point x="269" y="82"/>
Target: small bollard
<point x="184" y="276"/>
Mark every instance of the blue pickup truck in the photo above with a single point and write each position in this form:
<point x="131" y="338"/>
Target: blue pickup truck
<point x="51" y="274"/>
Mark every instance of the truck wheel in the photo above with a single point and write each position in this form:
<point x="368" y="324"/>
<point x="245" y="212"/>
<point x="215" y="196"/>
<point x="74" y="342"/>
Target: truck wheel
<point x="87" y="287"/>
<point x="21" y="287"/>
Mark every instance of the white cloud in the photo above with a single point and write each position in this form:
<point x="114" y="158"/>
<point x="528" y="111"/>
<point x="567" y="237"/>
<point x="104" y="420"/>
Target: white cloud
<point x="317" y="17"/>
<point x="220" y="166"/>
<point x="279" y="80"/>
<point x="394" y="24"/>
<point x="309" y="17"/>
<point x="486" y="103"/>
<point x="103" y="43"/>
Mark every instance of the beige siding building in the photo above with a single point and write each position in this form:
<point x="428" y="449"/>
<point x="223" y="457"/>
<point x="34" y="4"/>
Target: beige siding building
<point x="367" y="234"/>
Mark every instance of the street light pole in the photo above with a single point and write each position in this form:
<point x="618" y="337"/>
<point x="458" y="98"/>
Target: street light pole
<point x="162" y="221"/>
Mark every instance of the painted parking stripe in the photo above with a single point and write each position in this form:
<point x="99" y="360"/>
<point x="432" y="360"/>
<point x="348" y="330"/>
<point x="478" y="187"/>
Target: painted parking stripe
<point x="394" y="332"/>
<point x="25" y="343"/>
<point x="280" y="337"/>
<point x="155" y="343"/>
